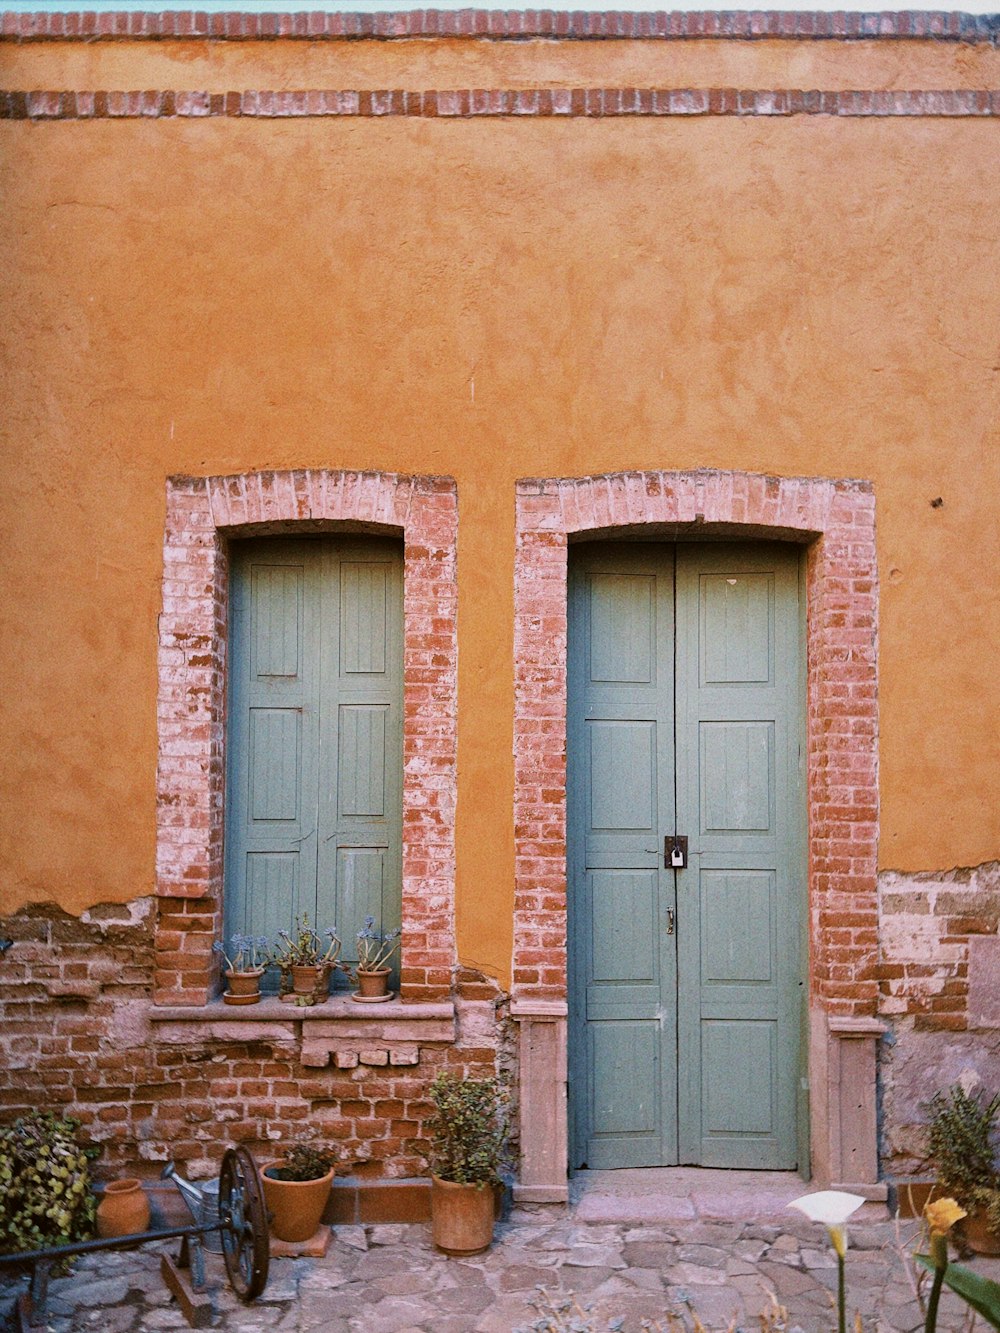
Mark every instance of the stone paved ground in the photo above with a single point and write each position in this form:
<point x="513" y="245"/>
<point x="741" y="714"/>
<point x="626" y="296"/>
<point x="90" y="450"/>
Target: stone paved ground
<point x="389" y="1279"/>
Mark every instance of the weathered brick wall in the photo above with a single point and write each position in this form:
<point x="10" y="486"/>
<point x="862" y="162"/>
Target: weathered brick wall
<point x="80" y="1035"/>
<point x="939" y="982"/>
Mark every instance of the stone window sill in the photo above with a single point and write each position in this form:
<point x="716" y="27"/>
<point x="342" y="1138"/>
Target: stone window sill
<point x="339" y="1031"/>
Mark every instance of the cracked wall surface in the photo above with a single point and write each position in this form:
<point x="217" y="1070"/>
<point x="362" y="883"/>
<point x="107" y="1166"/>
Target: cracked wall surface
<point x="939" y="982"/>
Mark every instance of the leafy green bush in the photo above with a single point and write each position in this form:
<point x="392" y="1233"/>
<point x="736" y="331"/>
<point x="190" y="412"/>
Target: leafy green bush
<point x="961" y="1144"/>
<point x="469" y="1129"/>
<point x="45" y="1193"/>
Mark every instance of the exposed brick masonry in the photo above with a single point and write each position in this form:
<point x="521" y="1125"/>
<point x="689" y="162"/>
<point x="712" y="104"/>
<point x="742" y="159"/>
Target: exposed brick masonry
<point x="926" y="922"/>
<point x="499" y="24"/>
<point x="497" y="102"/>
<point x="78" y="1036"/>
<point x="939" y="993"/>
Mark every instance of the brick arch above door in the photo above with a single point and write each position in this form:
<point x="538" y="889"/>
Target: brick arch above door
<point x="202" y="514"/>
<point x="835" y="520"/>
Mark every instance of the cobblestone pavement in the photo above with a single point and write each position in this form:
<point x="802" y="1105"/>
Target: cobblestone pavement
<point x="389" y="1279"/>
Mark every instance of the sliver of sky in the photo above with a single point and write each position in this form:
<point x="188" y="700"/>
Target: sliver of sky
<point x="395" y="6"/>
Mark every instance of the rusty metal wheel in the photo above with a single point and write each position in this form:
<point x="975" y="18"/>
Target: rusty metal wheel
<point x="246" y="1245"/>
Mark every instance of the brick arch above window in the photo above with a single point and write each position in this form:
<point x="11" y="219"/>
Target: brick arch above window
<point x="836" y="518"/>
<point x="202" y="514"/>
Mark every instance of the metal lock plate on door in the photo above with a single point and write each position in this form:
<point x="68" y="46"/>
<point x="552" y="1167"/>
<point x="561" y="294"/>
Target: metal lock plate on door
<point x="675" y="852"/>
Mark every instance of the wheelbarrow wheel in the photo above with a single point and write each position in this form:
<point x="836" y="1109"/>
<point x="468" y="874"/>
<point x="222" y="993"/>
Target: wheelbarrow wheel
<point x="246" y="1246"/>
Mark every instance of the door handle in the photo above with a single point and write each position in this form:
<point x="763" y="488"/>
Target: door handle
<point x="670" y="920"/>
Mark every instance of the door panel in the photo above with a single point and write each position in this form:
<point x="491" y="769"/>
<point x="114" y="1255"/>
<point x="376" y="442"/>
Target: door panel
<point x="314" y="735"/>
<point x="737" y="777"/>
<point x="684" y="717"/>
<point x="621" y="777"/>
<point x="739" y="900"/>
<point x="626" y="1125"/>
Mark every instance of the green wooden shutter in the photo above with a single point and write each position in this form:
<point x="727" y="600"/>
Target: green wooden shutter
<point x="361" y="773"/>
<point x="314" y="735"/>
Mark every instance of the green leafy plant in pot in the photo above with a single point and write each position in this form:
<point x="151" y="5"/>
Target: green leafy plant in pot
<point x="961" y="1144"/>
<point x="469" y="1132"/>
<point x="296" y="1190"/>
<point x="304" y="964"/>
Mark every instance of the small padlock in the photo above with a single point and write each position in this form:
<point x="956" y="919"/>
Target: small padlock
<point x="675" y="852"/>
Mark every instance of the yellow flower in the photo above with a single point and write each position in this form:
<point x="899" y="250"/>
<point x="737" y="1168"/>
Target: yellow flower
<point x="942" y="1214"/>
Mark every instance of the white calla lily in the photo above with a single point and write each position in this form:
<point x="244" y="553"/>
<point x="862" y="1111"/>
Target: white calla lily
<point x="832" y="1208"/>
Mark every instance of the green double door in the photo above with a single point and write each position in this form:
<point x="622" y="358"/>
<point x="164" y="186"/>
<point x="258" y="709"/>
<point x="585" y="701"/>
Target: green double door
<point x="685" y="718"/>
<point x="314" y="735"/>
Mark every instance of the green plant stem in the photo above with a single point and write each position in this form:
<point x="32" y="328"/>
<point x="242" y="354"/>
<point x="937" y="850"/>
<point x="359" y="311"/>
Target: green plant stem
<point x="935" y="1296"/>
<point x="841" y="1296"/>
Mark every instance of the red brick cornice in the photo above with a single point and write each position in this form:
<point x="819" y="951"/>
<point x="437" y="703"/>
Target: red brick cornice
<point x="566" y="103"/>
<point x="499" y="25"/>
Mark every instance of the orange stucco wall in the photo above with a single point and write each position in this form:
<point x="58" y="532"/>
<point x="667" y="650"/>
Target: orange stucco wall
<point x="487" y="299"/>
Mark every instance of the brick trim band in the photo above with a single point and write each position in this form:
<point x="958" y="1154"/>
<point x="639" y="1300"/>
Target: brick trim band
<point x="500" y="25"/>
<point x="464" y="103"/>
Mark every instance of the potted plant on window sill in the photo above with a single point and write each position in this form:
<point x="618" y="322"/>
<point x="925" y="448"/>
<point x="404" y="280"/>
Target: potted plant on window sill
<point x="374" y="968"/>
<point x="244" y="963"/>
<point x="961" y="1142"/>
<point x="468" y="1147"/>
<point x="296" y="1190"/>
<point x="304" y="965"/>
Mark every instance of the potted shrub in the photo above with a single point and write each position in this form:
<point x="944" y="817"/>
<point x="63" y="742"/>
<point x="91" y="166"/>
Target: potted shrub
<point x="244" y="963"/>
<point x="296" y="1189"/>
<point x="961" y="1143"/>
<point x="469" y="1145"/>
<point x="375" y="949"/>
<point x="305" y="966"/>
<point x="44" y="1184"/>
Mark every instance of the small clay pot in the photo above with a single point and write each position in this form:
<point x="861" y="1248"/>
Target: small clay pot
<point x="296" y="1206"/>
<point x="373" y="985"/>
<point x="123" y="1210"/>
<point x="244" y="988"/>
<point x="308" y="980"/>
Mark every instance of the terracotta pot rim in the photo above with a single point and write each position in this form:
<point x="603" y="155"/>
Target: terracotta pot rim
<point x="244" y="972"/>
<point x="277" y="1180"/>
<point x="375" y="971"/>
<point x="461" y="1184"/>
<point x="121" y="1186"/>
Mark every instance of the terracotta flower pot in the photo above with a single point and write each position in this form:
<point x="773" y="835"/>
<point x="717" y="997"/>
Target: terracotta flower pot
<point x="296" y="1206"/>
<point x="978" y="1235"/>
<point x="307" y="980"/>
<point x="244" y="988"/>
<point x="462" y="1217"/>
<point x="373" y="985"/>
<point x="124" y="1209"/>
